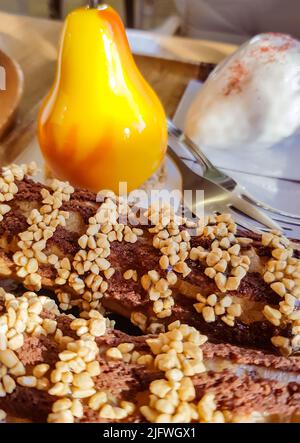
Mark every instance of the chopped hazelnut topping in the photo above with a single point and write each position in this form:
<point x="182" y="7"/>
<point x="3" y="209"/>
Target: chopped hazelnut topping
<point x="214" y="306"/>
<point x="224" y="262"/>
<point x="91" y="263"/>
<point x="42" y="225"/>
<point x="174" y="244"/>
<point x="139" y="319"/>
<point x="159" y="292"/>
<point x="8" y="188"/>
<point x="2" y="415"/>
<point x="172" y="399"/>
<point x="130" y="274"/>
<point x="281" y="273"/>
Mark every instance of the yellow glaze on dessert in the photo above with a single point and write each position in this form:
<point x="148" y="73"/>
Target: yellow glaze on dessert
<point x="101" y="123"/>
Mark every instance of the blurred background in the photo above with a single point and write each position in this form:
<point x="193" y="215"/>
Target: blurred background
<point x="232" y="21"/>
<point x="142" y="14"/>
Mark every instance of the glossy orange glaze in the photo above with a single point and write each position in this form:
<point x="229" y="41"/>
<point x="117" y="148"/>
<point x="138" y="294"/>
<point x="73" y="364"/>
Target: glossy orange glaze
<point x="101" y="123"/>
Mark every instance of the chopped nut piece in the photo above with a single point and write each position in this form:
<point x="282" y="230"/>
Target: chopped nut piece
<point x="2" y="415"/>
<point x="114" y="353"/>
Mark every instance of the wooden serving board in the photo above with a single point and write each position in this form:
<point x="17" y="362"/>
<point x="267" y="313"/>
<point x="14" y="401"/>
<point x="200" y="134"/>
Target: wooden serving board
<point x="169" y="78"/>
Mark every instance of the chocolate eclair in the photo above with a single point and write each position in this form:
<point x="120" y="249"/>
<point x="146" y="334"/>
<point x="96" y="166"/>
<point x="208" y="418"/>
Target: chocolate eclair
<point x="60" y="368"/>
<point x="94" y="251"/>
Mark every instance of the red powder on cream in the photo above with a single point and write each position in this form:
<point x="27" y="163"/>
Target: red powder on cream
<point x="266" y="52"/>
<point x="237" y="76"/>
<point x="274" y="50"/>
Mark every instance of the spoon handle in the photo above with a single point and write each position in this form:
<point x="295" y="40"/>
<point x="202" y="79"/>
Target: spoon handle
<point x="93" y="3"/>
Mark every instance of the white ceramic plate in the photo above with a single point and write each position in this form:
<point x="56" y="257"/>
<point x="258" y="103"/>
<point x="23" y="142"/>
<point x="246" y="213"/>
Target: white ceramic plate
<point x="272" y="175"/>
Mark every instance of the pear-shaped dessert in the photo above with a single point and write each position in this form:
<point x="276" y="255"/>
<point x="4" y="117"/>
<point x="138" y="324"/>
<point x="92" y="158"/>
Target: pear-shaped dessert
<point x="101" y="123"/>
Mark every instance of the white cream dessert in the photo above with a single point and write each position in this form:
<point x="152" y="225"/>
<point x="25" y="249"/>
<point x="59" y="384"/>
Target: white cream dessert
<point x="252" y="99"/>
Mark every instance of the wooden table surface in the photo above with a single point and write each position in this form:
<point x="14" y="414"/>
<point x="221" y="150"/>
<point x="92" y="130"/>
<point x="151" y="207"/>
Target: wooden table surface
<point x="32" y="43"/>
